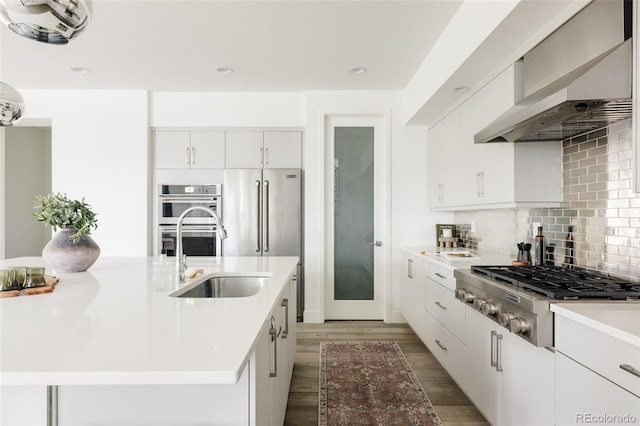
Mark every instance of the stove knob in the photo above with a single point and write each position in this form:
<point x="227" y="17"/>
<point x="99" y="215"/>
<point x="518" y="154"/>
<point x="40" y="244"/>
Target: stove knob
<point x="518" y="325"/>
<point x="477" y="303"/>
<point x="465" y="296"/>
<point x="505" y="318"/>
<point x="489" y="308"/>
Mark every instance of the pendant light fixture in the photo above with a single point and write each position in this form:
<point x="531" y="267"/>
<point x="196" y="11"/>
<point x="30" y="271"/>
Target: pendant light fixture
<point x="48" y="21"/>
<point x="11" y="105"/>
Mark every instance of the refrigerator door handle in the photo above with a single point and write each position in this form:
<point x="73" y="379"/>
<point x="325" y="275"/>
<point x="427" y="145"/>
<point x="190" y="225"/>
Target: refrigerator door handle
<point x="259" y="227"/>
<point x="266" y="216"/>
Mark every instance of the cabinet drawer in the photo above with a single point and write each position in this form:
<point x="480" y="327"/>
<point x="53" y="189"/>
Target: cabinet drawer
<point x="442" y="304"/>
<point x="599" y="352"/>
<point x="441" y="274"/>
<point x="447" y="349"/>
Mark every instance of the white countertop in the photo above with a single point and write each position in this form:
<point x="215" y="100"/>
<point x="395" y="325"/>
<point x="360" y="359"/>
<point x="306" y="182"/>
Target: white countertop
<point x="618" y="319"/>
<point x="116" y="324"/>
<point x="435" y="254"/>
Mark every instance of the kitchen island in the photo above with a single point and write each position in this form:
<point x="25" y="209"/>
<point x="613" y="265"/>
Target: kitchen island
<point x="115" y="331"/>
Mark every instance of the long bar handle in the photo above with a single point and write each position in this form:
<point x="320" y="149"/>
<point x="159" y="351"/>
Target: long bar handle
<point x="188" y="157"/>
<point x="52" y="405"/>
<point x="629" y="369"/>
<point x="285" y="304"/>
<point x="437" y="274"/>
<point x="266" y="156"/>
<point x="499" y="352"/>
<point x="259" y="225"/>
<point x="261" y="155"/>
<point x="193" y="155"/>
<point x="494" y="335"/>
<point x="274" y="333"/>
<point x="410" y="268"/>
<point x="441" y="306"/>
<point x="266" y="216"/>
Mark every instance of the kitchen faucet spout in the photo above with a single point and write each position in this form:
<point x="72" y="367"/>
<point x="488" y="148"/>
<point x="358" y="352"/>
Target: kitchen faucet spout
<point x="181" y="264"/>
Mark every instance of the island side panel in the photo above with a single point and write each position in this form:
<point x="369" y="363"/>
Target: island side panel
<point x="155" y="404"/>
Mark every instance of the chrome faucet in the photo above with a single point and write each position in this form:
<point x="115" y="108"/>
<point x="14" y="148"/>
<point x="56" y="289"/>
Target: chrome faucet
<point x="181" y="258"/>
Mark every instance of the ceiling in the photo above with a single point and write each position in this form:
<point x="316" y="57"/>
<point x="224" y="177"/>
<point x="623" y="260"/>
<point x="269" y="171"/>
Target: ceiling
<point x="177" y="45"/>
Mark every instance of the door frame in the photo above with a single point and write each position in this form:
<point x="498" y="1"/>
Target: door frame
<point x="382" y="220"/>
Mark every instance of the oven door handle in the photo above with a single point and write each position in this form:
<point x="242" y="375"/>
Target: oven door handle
<point x="189" y="228"/>
<point x="189" y="199"/>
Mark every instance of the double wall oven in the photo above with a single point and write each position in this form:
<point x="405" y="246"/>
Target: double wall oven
<point x="199" y="233"/>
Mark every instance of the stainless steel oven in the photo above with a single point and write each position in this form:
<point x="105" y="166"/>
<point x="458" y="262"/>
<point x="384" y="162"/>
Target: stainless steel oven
<point x="199" y="236"/>
<point x="197" y="240"/>
<point x="173" y="200"/>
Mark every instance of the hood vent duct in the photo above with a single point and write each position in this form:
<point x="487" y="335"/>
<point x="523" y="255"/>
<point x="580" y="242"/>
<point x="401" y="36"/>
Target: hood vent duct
<point x="576" y="80"/>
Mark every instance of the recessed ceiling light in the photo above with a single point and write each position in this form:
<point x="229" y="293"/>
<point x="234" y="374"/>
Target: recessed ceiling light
<point x="224" y="70"/>
<point x="79" y="70"/>
<point x="358" y="70"/>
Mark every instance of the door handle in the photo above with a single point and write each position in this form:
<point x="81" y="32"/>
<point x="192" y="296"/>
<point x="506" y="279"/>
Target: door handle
<point x="274" y="333"/>
<point x="266" y="216"/>
<point x="410" y="268"/>
<point x="494" y="335"/>
<point x="499" y="352"/>
<point x="193" y="155"/>
<point x="188" y="157"/>
<point x="259" y="227"/>
<point x="375" y="243"/>
<point x="285" y="304"/>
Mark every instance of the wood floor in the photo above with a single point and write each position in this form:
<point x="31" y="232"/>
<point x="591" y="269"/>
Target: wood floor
<point x="453" y="407"/>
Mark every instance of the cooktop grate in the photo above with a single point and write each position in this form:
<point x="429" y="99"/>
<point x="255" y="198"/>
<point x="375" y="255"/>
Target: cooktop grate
<point x="559" y="283"/>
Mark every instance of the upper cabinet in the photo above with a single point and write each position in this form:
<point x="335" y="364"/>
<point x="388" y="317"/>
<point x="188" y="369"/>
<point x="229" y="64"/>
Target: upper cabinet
<point x="268" y="150"/>
<point x="184" y="149"/>
<point x="465" y="175"/>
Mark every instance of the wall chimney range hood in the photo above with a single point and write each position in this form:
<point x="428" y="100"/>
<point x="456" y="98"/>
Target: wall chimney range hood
<point x="576" y="80"/>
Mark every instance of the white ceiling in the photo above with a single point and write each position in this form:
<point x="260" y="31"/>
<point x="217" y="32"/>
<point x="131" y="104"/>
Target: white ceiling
<point x="176" y="45"/>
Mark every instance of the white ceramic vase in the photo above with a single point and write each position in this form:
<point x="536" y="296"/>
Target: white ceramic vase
<point x="63" y="255"/>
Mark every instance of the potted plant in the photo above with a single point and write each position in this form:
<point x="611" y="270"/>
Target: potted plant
<point x="71" y="249"/>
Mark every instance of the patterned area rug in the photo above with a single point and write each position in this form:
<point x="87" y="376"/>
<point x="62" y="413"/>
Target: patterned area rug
<point x="370" y="383"/>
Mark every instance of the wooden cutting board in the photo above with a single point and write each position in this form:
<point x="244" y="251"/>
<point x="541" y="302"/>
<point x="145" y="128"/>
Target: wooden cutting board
<point x="51" y="285"/>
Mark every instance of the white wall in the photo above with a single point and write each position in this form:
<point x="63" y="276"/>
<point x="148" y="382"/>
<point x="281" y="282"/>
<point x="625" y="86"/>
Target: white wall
<point x="28" y="171"/>
<point x="99" y="142"/>
<point x="227" y="109"/>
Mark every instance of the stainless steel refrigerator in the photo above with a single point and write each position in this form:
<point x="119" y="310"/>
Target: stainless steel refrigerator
<point x="262" y="213"/>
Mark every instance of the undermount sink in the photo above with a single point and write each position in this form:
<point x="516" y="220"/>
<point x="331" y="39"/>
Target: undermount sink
<point x="222" y="287"/>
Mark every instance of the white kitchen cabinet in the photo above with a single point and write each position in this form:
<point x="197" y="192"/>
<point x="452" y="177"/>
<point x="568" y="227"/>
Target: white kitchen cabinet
<point x="447" y="348"/>
<point x="596" y="371"/>
<point x="442" y="305"/>
<point x="491" y="175"/>
<point x="585" y="397"/>
<point x="509" y="380"/>
<point x="412" y="295"/>
<point x="445" y="176"/>
<point x="184" y="149"/>
<point x="269" y="149"/>
<point x="23" y="405"/>
<point x="273" y="361"/>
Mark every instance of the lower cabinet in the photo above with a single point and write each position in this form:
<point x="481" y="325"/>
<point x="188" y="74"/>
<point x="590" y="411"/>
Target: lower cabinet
<point x="596" y="376"/>
<point x="585" y="397"/>
<point x="272" y="361"/>
<point x="412" y="295"/>
<point x="509" y="380"/>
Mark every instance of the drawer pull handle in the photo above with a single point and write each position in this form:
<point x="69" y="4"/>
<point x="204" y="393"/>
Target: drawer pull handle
<point x="444" y="348"/>
<point x="441" y="306"/>
<point x="440" y="275"/>
<point x="630" y="369"/>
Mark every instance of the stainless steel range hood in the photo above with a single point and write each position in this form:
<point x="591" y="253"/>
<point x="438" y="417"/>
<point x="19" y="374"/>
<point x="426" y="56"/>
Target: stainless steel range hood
<point x="577" y="80"/>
